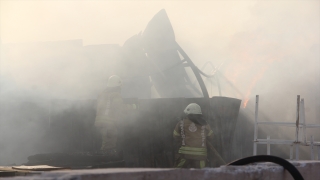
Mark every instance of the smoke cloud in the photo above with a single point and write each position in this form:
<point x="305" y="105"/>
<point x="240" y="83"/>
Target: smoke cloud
<point x="56" y="50"/>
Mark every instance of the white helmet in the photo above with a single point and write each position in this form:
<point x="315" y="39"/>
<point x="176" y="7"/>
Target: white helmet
<point x="193" y="108"/>
<point x="114" y="81"/>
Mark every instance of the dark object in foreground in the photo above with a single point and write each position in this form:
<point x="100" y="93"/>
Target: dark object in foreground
<point x="266" y="158"/>
<point x="7" y="173"/>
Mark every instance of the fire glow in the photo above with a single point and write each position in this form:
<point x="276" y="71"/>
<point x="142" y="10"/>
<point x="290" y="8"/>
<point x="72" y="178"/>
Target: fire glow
<point x="245" y="102"/>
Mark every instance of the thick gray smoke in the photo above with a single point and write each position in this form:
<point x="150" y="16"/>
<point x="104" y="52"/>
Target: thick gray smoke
<point x="270" y="48"/>
<point x="278" y="59"/>
<point x="33" y="77"/>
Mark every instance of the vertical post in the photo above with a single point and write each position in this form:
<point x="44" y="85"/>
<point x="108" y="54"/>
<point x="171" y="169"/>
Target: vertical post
<point x="268" y="145"/>
<point x="300" y="134"/>
<point x="303" y="120"/>
<point x="291" y="152"/>
<point x="297" y="152"/>
<point x="297" y="128"/>
<point x="256" y="127"/>
<point x="297" y="118"/>
<point x="311" y="148"/>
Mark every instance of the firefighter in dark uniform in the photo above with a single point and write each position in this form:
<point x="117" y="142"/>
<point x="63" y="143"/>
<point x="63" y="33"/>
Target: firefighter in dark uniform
<point x="192" y="132"/>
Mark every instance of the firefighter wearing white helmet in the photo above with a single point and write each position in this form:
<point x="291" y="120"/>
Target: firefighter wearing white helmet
<point x="114" y="81"/>
<point x="110" y="108"/>
<point x="193" y="108"/>
<point x="192" y="133"/>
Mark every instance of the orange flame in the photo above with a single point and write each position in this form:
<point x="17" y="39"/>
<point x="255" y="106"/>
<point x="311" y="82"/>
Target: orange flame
<point x="253" y="84"/>
<point x="245" y="102"/>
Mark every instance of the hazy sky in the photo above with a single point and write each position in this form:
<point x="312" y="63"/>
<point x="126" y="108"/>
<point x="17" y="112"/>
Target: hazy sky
<point x="200" y="26"/>
<point x="253" y="36"/>
<point x="114" y="21"/>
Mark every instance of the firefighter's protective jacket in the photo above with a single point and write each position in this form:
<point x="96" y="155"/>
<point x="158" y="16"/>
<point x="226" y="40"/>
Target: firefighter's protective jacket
<point x="109" y="109"/>
<point x="193" y="138"/>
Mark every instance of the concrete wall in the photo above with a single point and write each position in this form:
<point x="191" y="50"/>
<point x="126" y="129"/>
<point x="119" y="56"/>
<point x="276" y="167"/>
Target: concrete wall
<point x="261" y="171"/>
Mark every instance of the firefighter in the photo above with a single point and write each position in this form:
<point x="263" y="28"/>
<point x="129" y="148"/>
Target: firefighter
<point x="192" y="133"/>
<point x="109" y="112"/>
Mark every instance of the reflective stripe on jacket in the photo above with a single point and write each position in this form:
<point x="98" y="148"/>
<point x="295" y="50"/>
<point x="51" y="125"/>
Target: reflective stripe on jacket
<point x="193" y="139"/>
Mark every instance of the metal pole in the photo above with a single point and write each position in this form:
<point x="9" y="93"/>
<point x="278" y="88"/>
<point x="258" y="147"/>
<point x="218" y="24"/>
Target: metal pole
<point x="256" y="126"/>
<point x="297" y="118"/>
<point x="297" y="128"/>
<point x="215" y="152"/>
<point x="291" y="152"/>
<point x="311" y="148"/>
<point x="297" y="152"/>
<point x="303" y="119"/>
<point x="268" y="145"/>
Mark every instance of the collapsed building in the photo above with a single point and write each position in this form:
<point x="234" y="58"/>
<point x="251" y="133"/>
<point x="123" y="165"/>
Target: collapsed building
<point x="151" y="61"/>
<point x="152" y="58"/>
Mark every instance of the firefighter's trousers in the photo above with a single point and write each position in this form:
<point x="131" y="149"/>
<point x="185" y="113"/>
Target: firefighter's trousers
<point x="189" y="163"/>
